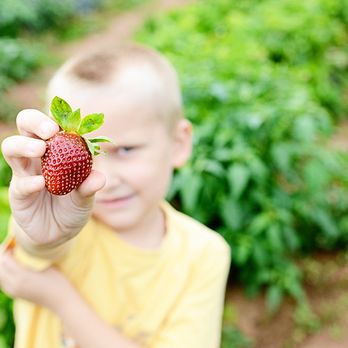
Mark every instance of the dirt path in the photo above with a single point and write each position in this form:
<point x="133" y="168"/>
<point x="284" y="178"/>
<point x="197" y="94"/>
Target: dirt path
<point x="328" y="339"/>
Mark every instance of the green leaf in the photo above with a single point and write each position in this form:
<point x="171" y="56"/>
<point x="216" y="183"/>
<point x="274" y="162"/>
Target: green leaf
<point x="60" y="110"/>
<point x="282" y="153"/>
<point x="243" y="249"/>
<point x="260" y="254"/>
<point x="90" y="123"/>
<point x="261" y="222"/>
<point x="316" y="175"/>
<point x="94" y="149"/>
<point x="274" y="239"/>
<point x="73" y="121"/>
<point x="274" y="297"/>
<point x="101" y="140"/>
<point x="305" y="128"/>
<point x="232" y="213"/>
<point x="213" y="167"/>
<point x="291" y="239"/>
<point x="238" y="177"/>
<point x="326" y="222"/>
<point x="191" y="188"/>
<point x="90" y="146"/>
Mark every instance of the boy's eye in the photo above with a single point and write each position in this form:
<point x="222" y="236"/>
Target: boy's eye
<point x="123" y="150"/>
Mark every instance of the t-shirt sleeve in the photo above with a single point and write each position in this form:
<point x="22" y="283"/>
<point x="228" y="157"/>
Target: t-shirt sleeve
<point x="196" y="319"/>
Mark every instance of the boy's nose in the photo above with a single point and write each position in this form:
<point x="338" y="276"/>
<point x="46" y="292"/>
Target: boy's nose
<point x="113" y="179"/>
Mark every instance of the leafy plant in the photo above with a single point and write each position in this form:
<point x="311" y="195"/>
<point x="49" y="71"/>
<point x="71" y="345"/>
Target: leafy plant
<point x="262" y="94"/>
<point x="17" y="59"/>
<point x="6" y="318"/>
<point x="25" y="23"/>
<point x="232" y="337"/>
<point x="5" y="172"/>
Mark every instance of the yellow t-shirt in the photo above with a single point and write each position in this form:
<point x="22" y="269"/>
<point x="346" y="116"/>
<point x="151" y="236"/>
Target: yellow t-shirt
<point x="171" y="297"/>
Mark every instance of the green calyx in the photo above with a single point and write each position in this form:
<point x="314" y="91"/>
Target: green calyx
<point x="71" y="122"/>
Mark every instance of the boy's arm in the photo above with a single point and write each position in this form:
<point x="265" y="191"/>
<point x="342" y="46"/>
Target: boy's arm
<point x="194" y="322"/>
<point x="46" y="221"/>
<point x="51" y="289"/>
<point x="92" y="331"/>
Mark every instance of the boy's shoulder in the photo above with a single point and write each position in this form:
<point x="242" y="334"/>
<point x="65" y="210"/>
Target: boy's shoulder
<point x="192" y="234"/>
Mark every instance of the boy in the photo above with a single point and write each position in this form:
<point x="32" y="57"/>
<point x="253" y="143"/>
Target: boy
<point x="137" y="273"/>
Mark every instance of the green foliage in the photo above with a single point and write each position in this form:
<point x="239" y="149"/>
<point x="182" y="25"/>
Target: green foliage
<point x="18" y="16"/>
<point x="4" y="212"/>
<point x="232" y="337"/>
<point x="6" y="322"/>
<point x="24" y="23"/>
<point x="262" y="82"/>
<point x="5" y="172"/>
<point x="6" y="318"/>
<point x="19" y="21"/>
<point x="17" y="59"/>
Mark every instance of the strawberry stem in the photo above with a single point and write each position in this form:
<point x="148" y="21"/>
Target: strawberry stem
<point x="71" y="121"/>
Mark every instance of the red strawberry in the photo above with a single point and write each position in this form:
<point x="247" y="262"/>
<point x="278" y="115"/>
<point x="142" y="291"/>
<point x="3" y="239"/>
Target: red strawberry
<point x="67" y="161"/>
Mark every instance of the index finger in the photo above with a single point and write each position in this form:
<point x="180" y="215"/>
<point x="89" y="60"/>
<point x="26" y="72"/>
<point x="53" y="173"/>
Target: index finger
<point x="34" y="123"/>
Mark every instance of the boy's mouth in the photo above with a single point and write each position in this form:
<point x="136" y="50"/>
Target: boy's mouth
<point x="115" y="201"/>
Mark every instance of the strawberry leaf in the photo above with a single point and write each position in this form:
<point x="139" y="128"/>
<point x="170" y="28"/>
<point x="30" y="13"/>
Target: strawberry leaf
<point x="60" y="110"/>
<point x="73" y="121"/>
<point x="101" y="140"/>
<point x="91" y="147"/>
<point x="90" y="123"/>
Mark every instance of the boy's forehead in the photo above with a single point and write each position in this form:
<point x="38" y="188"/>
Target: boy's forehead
<point x="120" y="107"/>
<point x="135" y="96"/>
<point x="124" y="116"/>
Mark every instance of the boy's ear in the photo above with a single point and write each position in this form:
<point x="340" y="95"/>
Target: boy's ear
<point x="182" y="143"/>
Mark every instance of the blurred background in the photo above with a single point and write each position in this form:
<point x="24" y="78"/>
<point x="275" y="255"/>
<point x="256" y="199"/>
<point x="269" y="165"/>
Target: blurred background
<point x="265" y="83"/>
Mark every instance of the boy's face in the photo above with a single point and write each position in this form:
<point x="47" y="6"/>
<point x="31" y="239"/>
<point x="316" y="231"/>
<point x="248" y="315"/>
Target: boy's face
<point x="138" y="168"/>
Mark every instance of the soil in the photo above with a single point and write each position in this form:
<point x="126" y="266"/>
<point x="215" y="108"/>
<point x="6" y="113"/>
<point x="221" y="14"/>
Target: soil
<point x="326" y="283"/>
<point x="326" y="275"/>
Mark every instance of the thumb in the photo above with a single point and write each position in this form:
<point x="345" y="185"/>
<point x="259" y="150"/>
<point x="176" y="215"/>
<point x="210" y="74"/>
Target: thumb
<point x="84" y="194"/>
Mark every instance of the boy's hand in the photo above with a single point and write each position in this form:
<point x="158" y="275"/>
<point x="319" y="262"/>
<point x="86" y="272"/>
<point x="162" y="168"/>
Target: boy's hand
<point x="46" y="288"/>
<point x="45" y="218"/>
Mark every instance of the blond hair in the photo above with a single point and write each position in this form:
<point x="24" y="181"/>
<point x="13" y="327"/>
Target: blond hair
<point x="102" y="67"/>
